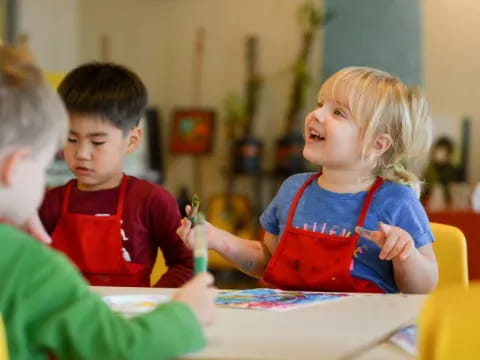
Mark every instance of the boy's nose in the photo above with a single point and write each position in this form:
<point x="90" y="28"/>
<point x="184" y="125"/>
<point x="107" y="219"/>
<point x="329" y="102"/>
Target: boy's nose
<point x="82" y="152"/>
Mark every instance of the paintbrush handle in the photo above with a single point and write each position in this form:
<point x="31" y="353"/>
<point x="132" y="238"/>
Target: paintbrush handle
<point x="200" y="251"/>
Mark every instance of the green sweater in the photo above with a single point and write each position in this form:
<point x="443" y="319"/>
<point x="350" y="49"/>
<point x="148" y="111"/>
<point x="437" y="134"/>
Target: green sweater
<point x="48" y="308"/>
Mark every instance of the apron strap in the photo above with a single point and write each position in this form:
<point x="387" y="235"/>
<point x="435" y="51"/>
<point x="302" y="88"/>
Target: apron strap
<point x="120" y="202"/>
<point x="121" y="196"/>
<point x="298" y="195"/>
<point x="363" y="213"/>
<point x="66" y="197"/>
<point x="368" y="200"/>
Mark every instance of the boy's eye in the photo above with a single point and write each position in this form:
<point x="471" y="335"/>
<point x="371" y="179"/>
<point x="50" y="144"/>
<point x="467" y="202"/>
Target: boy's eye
<point x="98" y="143"/>
<point x="70" y="140"/>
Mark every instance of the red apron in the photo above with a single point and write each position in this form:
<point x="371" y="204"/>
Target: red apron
<point x="313" y="261"/>
<point x="94" y="244"/>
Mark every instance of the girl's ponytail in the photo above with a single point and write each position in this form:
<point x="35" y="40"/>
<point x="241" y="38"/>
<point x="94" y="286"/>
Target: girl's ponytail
<point x="414" y="144"/>
<point x="398" y="173"/>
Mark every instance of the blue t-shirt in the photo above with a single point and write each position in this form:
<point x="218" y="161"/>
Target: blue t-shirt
<point x="333" y="213"/>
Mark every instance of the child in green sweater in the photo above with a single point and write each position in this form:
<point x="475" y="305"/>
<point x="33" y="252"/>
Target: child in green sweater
<point x="46" y="306"/>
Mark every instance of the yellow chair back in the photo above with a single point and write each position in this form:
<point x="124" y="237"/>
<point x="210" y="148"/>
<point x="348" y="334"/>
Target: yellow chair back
<point x="3" y="341"/>
<point x="159" y="268"/>
<point x="450" y="323"/>
<point x="450" y="249"/>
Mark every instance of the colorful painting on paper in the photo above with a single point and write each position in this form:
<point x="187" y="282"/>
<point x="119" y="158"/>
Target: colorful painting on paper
<point x="273" y="299"/>
<point x="192" y="131"/>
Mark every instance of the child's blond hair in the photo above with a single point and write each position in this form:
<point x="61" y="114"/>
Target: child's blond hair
<point x="31" y="113"/>
<point x="381" y="103"/>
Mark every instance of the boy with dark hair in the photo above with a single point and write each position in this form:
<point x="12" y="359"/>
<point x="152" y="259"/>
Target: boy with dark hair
<point x="45" y="304"/>
<point x="110" y="224"/>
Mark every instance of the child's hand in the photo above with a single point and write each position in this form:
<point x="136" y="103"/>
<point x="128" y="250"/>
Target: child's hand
<point x="199" y="294"/>
<point x="184" y="230"/>
<point x="393" y="240"/>
<point x="186" y="233"/>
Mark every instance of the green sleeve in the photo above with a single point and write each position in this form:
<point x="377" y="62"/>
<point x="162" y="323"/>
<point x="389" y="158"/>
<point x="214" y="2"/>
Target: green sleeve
<point x="58" y="312"/>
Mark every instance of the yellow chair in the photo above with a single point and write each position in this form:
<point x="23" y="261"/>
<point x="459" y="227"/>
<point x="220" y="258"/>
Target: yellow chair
<point x="3" y="342"/>
<point x="450" y="249"/>
<point x="159" y="268"/>
<point x="450" y="323"/>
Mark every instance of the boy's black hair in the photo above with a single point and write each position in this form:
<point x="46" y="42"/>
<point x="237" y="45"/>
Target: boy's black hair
<point x="112" y="91"/>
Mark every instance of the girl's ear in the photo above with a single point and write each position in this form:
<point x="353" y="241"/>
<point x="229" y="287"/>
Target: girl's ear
<point x="134" y="138"/>
<point x="9" y="165"/>
<point x="382" y="143"/>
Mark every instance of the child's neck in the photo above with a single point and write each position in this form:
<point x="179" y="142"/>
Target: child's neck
<point x="346" y="181"/>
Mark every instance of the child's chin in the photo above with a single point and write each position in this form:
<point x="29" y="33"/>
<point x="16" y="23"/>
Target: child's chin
<point x="309" y="155"/>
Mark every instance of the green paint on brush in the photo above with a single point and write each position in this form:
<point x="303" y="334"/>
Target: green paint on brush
<point x="192" y="216"/>
<point x="200" y="250"/>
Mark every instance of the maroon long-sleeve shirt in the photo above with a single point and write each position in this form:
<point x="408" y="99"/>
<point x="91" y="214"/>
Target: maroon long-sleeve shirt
<point x="150" y="219"/>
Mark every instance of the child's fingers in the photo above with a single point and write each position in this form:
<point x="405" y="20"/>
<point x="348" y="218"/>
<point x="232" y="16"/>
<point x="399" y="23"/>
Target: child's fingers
<point x="204" y="279"/>
<point x="184" y="229"/>
<point x="376" y="236"/>
<point x="385" y="228"/>
<point x="188" y="208"/>
<point x="406" y="251"/>
<point x="41" y="236"/>
<point x="390" y="243"/>
<point x="396" y="249"/>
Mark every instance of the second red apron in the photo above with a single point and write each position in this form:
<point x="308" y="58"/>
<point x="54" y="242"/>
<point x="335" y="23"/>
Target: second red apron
<point x="94" y="244"/>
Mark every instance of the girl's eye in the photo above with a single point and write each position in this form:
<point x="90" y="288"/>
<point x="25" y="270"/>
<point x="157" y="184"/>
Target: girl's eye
<point x="72" y="141"/>
<point x="98" y="143"/>
<point x="319" y="104"/>
<point x="339" y="113"/>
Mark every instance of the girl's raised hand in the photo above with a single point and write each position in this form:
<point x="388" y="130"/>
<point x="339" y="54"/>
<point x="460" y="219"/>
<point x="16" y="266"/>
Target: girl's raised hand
<point x="393" y="240"/>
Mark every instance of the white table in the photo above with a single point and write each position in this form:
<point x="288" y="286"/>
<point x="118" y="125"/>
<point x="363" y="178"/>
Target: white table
<point x="385" y="351"/>
<point x="350" y="328"/>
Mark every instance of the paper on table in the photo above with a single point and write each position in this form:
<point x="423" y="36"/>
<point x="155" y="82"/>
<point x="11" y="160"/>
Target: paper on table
<point x="406" y="339"/>
<point x="132" y="305"/>
<point x="273" y="299"/>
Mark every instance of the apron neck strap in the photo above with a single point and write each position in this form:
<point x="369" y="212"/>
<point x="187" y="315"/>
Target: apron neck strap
<point x="366" y="204"/>
<point x="121" y="195"/>
<point x="298" y="195"/>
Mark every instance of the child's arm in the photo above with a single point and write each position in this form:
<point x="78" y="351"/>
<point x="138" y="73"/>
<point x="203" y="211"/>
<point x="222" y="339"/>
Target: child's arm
<point x="163" y="219"/>
<point x="418" y="274"/>
<point x="415" y="269"/>
<point x="249" y="256"/>
<point x="60" y="313"/>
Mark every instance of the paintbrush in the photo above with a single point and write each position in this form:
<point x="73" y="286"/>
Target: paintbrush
<point x="200" y="250"/>
<point x="193" y="213"/>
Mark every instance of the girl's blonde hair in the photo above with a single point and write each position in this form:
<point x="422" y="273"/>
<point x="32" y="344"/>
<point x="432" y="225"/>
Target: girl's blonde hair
<point x="381" y="104"/>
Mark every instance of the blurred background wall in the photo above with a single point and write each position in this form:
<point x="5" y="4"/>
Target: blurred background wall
<point x="430" y="41"/>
